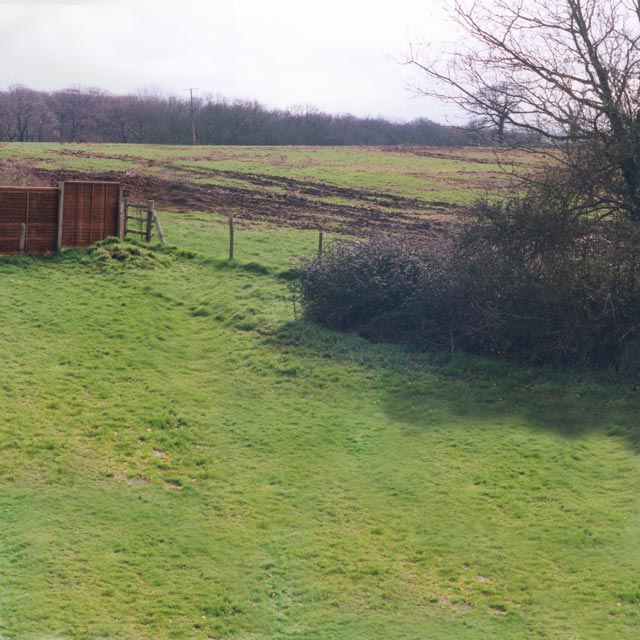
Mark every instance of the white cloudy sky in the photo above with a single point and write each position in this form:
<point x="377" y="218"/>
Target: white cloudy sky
<point x="337" y="55"/>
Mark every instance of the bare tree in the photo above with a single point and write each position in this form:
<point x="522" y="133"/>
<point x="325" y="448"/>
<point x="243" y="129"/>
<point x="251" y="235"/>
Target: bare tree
<point x="21" y="111"/>
<point x="121" y="118"/>
<point x="492" y="106"/>
<point x="77" y="111"/>
<point x="567" y="71"/>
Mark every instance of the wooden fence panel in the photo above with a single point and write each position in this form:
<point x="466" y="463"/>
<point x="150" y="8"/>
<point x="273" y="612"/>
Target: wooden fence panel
<point x="37" y="208"/>
<point x="41" y="226"/>
<point x="91" y="212"/>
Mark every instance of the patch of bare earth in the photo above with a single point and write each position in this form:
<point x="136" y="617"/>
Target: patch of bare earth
<point x="255" y="197"/>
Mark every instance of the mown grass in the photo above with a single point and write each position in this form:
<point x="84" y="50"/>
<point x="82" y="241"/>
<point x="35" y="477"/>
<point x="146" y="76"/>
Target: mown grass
<point x="182" y="458"/>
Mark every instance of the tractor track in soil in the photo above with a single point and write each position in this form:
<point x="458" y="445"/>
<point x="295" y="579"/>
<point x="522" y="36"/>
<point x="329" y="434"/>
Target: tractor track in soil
<point x="256" y="197"/>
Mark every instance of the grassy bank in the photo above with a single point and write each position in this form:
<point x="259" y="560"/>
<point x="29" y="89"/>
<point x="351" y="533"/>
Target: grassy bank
<point x="181" y="458"/>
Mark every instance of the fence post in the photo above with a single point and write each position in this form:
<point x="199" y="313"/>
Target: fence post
<point x="320" y="243"/>
<point x="122" y="212"/>
<point x="150" y="214"/>
<point x="60" y="215"/>
<point x="125" y="215"/>
<point x="156" y="220"/>
<point x="231" y="237"/>
<point x="23" y="238"/>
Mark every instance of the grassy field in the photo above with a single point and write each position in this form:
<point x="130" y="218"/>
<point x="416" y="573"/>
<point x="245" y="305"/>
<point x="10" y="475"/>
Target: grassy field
<point x="424" y="173"/>
<point x="346" y="189"/>
<point x="183" y="458"/>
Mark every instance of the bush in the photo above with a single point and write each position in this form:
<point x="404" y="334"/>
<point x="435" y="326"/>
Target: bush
<point x="545" y="285"/>
<point x="527" y="278"/>
<point x="380" y="288"/>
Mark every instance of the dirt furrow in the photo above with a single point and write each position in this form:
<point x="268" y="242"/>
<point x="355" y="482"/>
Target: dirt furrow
<point x="300" y="204"/>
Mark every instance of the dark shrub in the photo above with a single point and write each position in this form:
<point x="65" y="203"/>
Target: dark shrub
<point x="545" y="285"/>
<point x="381" y="288"/>
<point x="527" y="278"/>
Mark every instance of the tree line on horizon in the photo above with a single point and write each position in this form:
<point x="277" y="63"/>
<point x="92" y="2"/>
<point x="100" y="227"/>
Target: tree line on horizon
<point x="81" y="114"/>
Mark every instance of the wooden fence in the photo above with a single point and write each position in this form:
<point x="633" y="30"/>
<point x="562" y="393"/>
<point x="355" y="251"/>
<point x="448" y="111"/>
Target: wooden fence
<point x="46" y="219"/>
<point x="28" y="217"/>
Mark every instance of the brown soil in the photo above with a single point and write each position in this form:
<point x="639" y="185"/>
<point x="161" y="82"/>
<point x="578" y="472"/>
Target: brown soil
<point x="254" y="197"/>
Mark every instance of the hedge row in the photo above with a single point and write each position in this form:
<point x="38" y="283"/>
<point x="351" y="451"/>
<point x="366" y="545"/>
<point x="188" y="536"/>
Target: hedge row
<point x="526" y="279"/>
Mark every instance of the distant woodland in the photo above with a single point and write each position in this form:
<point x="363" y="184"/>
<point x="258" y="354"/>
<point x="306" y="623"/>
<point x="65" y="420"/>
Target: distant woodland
<point x="93" y="115"/>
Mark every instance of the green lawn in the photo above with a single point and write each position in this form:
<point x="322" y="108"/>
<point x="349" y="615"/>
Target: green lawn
<point x="182" y="458"/>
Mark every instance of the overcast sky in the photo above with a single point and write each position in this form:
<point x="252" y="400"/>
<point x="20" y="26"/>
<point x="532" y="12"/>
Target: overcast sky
<point x="337" y="55"/>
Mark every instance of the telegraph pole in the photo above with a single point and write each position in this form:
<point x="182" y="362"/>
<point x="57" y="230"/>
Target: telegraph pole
<point x="193" y="116"/>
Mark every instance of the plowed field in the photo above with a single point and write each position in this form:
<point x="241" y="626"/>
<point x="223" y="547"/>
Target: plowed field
<point x="348" y="189"/>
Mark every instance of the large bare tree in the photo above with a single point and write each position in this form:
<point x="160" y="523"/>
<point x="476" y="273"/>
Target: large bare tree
<point x="568" y="73"/>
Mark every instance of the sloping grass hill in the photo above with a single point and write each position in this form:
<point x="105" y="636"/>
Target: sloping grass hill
<point x="181" y="458"/>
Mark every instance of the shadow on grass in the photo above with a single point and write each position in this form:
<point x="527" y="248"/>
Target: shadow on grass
<point x="413" y="384"/>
